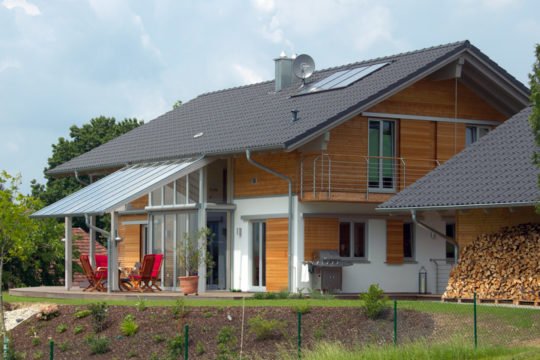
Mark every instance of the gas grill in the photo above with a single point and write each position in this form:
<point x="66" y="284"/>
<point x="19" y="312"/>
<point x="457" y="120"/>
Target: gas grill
<point x="326" y="270"/>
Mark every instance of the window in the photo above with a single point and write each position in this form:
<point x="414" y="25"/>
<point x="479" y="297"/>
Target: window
<point x="408" y="241"/>
<point x="352" y="241"/>
<point x="381" y="166"/>
<point x="450" y="248"/>
<point x="473" y="133"/>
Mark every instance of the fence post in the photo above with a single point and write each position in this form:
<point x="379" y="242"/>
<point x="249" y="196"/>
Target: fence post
<point x="6" y="347"/>
<point x="51" y="349"/>
<point x="395" y="322"/>
<point x="475" y="322"/>
<point x="299" y="335"/>
<point x="186" y="342"/>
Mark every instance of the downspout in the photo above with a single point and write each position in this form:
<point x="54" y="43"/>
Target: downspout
<point x="290" y="220"/>
<point x="435" y="231"/>
<point x="95" y="228"/>
<point x="83" y="183"/>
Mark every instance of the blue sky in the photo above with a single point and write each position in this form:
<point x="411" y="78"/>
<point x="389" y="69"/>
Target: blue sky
<point x="63" y="62"/>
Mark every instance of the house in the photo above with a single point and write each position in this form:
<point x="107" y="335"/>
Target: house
<point x="489" y="185"/>
<point x="281" y="169"/>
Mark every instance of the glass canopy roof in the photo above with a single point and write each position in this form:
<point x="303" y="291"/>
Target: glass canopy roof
<point x="121" y="187"/>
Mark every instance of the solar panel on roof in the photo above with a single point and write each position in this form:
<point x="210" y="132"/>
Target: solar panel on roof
<point x="342" y="78"/>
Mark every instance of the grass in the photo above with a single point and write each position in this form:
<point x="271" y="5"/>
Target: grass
<point x="418" y="351"/>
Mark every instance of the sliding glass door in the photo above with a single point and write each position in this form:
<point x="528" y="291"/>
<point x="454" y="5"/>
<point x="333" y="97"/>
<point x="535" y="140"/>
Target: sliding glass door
<point x="381" y="162"/>
<point x="258" y="255"/>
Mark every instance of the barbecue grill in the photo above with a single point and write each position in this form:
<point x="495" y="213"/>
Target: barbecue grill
<point x="326" y="270"/>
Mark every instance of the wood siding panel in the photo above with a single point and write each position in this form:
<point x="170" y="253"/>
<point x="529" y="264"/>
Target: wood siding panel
<point x="394" y="242"/>
<point x="320" y="234"/>
<point x="450" y="140"/>
<point x="277" y="264"/>
<point x="266" y="183"/>
<point x="138" y="204"/>
<point x="417" y="145"/>
<point x="472" y="223"/>
<point x="436" y="98"/>
<point x="129" y="249"/>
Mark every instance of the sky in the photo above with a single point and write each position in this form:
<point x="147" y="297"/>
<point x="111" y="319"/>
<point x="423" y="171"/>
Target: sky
<point x="63" y="62"/>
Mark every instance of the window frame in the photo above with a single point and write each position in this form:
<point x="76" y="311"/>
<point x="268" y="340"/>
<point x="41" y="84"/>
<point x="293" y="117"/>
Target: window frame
<point x="381" y="188"/>
<point x="352" y="229"/>
<point x="412" y="258"/>
<point x="477" y="129"/>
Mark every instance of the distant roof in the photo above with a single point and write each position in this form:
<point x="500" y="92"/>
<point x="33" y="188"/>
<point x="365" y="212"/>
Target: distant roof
<point x="497" y="170"/>
<point x="256" y="117"/>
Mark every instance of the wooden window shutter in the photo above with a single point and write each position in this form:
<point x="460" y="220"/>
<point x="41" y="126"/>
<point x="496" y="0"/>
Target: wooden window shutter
<point x="320" y="234"/>
<point x="394" y="242"/>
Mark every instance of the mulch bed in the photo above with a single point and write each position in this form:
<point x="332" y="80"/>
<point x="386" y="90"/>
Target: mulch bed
<point x="157" y="326"/>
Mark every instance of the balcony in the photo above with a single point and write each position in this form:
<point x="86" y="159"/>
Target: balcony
<point x="357" y="178"/>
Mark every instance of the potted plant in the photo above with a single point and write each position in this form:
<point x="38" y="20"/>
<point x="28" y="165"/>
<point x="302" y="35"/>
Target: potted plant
<point x="193" y="252"/>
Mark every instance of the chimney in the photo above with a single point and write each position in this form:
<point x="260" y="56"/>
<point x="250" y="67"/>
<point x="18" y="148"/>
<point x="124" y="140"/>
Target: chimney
<point x="284" y="71"/>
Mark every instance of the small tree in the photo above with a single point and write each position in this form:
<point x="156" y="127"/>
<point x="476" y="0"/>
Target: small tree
<point x="16" y="228"/>
<point x="193" y="251"/>
<point x="534" y="119"/>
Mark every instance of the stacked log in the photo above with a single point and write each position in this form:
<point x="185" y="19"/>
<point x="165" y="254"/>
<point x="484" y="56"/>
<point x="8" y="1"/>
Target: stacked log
<point x="500" y="266"/>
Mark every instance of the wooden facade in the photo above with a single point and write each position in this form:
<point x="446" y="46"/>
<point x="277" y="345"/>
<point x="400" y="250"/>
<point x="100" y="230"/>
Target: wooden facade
<point x="277" y="267"/>
<point x="320" y="233"/>
<point x="472" y="223"/>
<point x="129" y="249"/>
<point x="394" y="241"/>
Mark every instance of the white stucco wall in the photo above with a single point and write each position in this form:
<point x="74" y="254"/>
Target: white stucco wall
<point x="356" y="278"/>
<point x="260" y="208"/>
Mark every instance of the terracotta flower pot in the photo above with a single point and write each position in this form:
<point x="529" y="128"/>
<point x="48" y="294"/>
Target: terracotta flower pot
<point x="189" y="284"/>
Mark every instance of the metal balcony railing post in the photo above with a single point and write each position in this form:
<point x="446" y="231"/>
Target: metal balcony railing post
<point x="302" y="178"/>
<point x="404" y="172"/>
<point x="329" y="177"/>
<point x="315" y="176"/>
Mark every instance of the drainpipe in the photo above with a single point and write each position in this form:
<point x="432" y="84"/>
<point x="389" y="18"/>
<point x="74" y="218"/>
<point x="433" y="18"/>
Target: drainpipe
<point x="95" y="228"/>
<point x="435" y="231"/>
<point x="290" y="220"/>
<point x="83" y="183"/>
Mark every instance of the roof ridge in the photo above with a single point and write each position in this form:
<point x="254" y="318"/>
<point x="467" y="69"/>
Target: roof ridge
<point x="462" y="42"/>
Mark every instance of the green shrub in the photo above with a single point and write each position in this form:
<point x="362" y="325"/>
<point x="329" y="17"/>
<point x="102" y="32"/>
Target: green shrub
<point x="266" y="328"/>
<point x="199" y="348"/>
<point x="37" y="355"/>
<point x="179" y="309"/>
<point x="208" y="314"/>
<point x="175" y="346"/>
<point x="141" y="304"/>
<point x="375" y="302"/>
<point x="158" y="338"/>
<point x="36" y="341"/>
<point x="128" y="326"/>
<point x="99" y="313"/>
<point x="316" y="294"/>
<point x="132" y="354"/>
<point x="283" y="294"/>
<point x="226" y="344"/>
<point x="78" y="329"/>
<point x="82" y="314"/>
<point x="61" y="328"/>
<point x="302" y="308"/>
<point x="63" y="346"/>
<point x="98" y="344"/>
<point x="258" y="296"/>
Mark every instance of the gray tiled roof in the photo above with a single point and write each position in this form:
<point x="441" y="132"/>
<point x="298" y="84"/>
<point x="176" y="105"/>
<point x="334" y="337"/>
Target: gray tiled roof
<point x="255" y="117"/>
<point x="497" y="169"/>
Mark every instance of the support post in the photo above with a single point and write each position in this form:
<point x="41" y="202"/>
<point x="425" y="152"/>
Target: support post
<point x="299" y="335"/>
<point x="68" y="255"/>
<point x="92" y="242"/>
<point x="475" y="323"/>
<point x="112" y="250"/>
<point x="202" y="224"/>
<point x="186" y="342"/>
<point x="395" y="322"/>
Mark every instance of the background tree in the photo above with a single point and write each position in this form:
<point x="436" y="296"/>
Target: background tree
<point x="23" y="238"/>
<point x="535" y="102"/>
<point x="82" y="139"/>
<point x="177" y="104"/>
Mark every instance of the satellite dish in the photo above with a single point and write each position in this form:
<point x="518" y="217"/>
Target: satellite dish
<point x="303" y="66"/>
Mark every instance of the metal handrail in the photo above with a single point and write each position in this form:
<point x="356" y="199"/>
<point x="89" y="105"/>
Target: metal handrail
<point x="351" y="177"/>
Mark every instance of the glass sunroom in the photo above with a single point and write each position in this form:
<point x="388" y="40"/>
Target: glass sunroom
<point x="153" y="207"/>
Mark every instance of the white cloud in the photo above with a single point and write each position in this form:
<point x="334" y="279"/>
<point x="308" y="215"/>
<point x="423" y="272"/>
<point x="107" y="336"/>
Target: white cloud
<point x="146" y="40"/>
<point x="9" y="64"/>
<point x="28" y="8"/>
<point x="247" y="75"/>
<point x="285" y="20"/>
<point x="492" y="5"/>
<point x="264" y="5"/>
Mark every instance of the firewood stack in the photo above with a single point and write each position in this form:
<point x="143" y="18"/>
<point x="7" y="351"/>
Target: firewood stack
<point x="499" y="266"/>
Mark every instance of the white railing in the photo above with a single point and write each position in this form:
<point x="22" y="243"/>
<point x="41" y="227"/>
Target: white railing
<point x="325" y="175"/>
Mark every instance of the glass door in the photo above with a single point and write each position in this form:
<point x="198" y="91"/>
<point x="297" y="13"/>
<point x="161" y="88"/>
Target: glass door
<point x="258" y="255"/>
<point x="381" y="162"/>
<point x="217" y="250"/>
